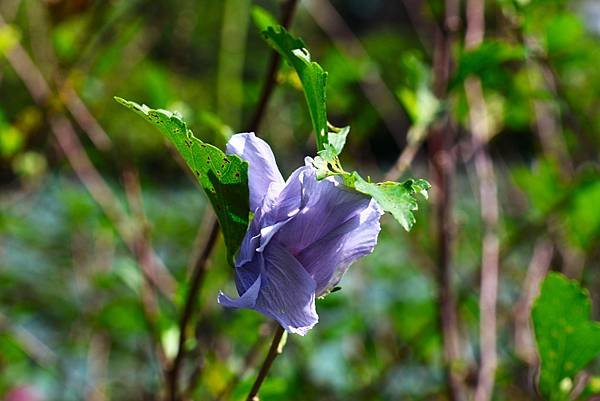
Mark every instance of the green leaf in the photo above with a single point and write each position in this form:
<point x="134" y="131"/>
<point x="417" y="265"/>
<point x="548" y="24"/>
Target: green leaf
<point x="337" y="138"/>
<point x="262" y="18"/>
<point x="312" y="76"/>
<point x="397" y="198"/>
<point x="567" y="339"/>
<point x="223" y="177"/>
<point x="417" y="95"/>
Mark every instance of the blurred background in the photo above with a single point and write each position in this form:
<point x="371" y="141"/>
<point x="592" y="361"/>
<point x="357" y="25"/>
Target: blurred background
<point x="101" y="224"/>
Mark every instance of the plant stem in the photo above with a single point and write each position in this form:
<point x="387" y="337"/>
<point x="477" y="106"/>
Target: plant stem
<point x="200" y="267"/>
<point x="274" y="351"/>
<point x="196" y="283"/>
<point x="441" y="141"/>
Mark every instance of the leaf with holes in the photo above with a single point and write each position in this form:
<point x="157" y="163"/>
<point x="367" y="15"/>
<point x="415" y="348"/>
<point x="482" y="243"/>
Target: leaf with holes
<point x="397" y="198"/>
<point x="567" y="340"/>
<point x="223" y="177"/>
<point x="313" y="77"/>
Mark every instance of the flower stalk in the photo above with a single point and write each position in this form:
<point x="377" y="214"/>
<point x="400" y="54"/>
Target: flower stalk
<point x="276" y="348"/>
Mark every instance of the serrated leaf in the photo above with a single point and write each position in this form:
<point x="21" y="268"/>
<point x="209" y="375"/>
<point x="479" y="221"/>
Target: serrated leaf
<point x="397" y="198"/>
<point x="223" y="177"/>
<point x="567" y="339"/>
<point x="337" y="138"/>
<point x="313" y="77"/>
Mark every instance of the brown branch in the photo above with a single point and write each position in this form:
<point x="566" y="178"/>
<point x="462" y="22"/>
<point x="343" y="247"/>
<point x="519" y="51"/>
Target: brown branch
<point x="143" y="255"/>
<point x="84" y="117"/>
<point x="407" y="155"/>
<point x="488" y="198"/>
<point x="30" y="344"/>
<point x="67" y="139"/>
<point x="44" y="55"/>
<point x="196" y="280"/>
<point x="274" y="351"/>
<point x="441" y="142"/>
<point x="536" y="271"/>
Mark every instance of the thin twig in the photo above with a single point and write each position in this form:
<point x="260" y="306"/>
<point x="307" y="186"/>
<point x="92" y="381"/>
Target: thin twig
<point x="406" y="156"/>
<point x="35" y="349"/>
<point x="488" y="198"/>
<point x="67" y="139"/>
<point x="274" y="351"/>
<point x="249" y="361"/>
<point x="196" y="281"/>
<point x="143" y="255"/>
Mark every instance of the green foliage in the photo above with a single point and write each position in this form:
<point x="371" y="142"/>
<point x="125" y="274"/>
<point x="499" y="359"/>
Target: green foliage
<point x="394" y="197"/>
<point x="487" y="62"/>
<point x="567" y="339"/>
<point x="313" y="77"/>
<point x="223" y="177"/>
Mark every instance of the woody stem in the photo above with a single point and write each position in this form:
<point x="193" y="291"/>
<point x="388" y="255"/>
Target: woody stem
<point x="274" y="351"/>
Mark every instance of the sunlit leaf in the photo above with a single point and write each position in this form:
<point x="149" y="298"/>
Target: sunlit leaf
<point x="397" y="198"/>
<point x="223" y="177"/>
<point x="313" y="77"/>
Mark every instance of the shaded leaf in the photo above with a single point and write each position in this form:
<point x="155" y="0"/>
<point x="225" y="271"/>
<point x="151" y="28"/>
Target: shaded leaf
<point x="223" y="177"/>
<point x="567" y="339"/>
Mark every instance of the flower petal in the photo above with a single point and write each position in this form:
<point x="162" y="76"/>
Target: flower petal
<point x="246" y="300"/>
<point x="335" y="227"/>
<point x="277" y="211"/>
<point x="262" y="167"/>
<point x="287" y="292"/>
<point x="328" y="258"/>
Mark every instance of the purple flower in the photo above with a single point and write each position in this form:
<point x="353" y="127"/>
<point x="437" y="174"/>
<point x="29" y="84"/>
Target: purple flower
<point x="304" y="236"/>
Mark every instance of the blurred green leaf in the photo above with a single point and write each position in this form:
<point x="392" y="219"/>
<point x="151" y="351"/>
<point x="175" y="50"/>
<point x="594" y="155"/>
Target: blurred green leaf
<point x="11" y="140"/>
<point x="9" y="37"/>
<point x="223" y="177"/>
<point x="487" y="61"/>
<point x="262" y="18"/>
<point x="567" y="339"/>
<point x="311" y="74"/>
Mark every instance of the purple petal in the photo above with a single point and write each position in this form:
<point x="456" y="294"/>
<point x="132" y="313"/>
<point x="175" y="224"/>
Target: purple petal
<point x="335" y="227"/>
<point x="277" y="211"/>
<point x="262" y="167"/>
<point x="328" y="258"/>
<point x="287" y="292"/>
<point x="247" y="300"/>
<point x="280" y="205"/>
